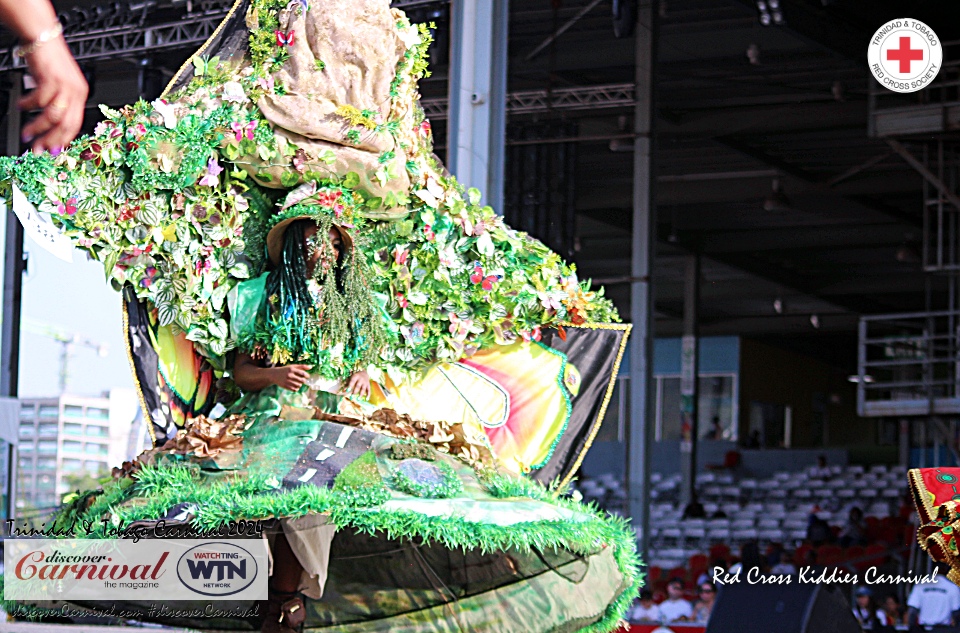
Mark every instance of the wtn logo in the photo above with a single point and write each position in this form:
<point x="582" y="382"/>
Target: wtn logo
<point x="224" y="568"/>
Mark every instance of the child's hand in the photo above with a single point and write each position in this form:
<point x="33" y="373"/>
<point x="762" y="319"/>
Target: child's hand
<point x="359" y="384"/>
<point x="291" y="377"/>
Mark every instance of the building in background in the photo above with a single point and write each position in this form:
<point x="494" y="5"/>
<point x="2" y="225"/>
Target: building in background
<point x="66" y="439"/>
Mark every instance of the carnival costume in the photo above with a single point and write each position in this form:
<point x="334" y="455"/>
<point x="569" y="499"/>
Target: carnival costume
<point x="491" y="363"/>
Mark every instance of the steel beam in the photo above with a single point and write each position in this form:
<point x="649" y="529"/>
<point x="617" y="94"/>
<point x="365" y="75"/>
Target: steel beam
<point x="477" y="95"/>
<point x="640" y="428"/>
<point x="12" y="286"/>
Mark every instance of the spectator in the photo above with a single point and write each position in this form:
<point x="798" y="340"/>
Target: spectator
<point x="708" y="572"/>
<point x="821" y="470"/>
<point x="934" y="603"/>
<point x="853" y="533"/>
<point x="892" y="611"/>
<point x="715" y="432"/>
<point x="644" y="611"/>
<point x="694" y="509"/>
<point x="818" y="530"/>
<point x="701" y="611"/>
<point x="785" y="567"/>
<point x="868" y="615"/>
<point x="675" y="608"/>
<point x="749" y="559"/>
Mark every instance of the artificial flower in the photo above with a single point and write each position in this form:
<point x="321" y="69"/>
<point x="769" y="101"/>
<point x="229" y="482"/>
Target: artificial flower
<point x="212" y="177"/>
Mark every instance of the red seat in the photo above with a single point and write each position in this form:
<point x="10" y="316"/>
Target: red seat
<point x="876" y="552"/>
<point x="800" y="556"/>
<point x="697" y="564"/>
<point x="829" y="555"/>
<point x="720" y="551"/>
<point x="654" y="574"/>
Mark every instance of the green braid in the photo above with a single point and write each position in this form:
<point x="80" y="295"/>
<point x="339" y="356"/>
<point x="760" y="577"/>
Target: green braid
<point x="300" y="328"/>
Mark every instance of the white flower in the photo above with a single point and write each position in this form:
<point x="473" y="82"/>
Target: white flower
<point x="167" y="111"/>
<point x="410" y="36"/>
<point x="233" y="91"/>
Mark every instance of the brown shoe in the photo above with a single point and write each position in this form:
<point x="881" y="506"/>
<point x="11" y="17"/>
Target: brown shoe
<point x="285" y="613"/>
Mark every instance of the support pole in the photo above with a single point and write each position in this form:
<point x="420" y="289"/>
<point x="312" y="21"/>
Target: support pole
<point x="476" y="128"/>
<point x="640" y="429"/>
<point x="12" y="286"/>
<point x="689" y="381"/>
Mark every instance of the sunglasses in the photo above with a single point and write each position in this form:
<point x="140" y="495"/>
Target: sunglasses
<point x="706" y="590"/>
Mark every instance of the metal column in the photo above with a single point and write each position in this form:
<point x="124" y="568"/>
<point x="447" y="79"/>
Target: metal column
<point x="12" y="286"/>
<point x="476" y="127"/>
<point x="640" y="429"/>
<point x="689" y="381"/>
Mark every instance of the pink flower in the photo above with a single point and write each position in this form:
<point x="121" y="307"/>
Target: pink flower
<point x="488" y="281"/>
<point x="67" y="208"/>
<point x="102" y="127"/>
<point x="400" y="256"/>
<point x="213" y="172"/>
<point x="266" y="82"/>
<point x="85" y="242"/>
<point x="202" y="266"/>
<point x="138" y="131"/>
<point x="459" y="328"/>
<point x="477" y="275"/>
<point x="241" y="130"/>
<point x="532" y="335"/>
<point x="431" y="236"/>
<point x="402" y="300"/>
<point x="148" y="276"/>
<point x="328" y="198"/>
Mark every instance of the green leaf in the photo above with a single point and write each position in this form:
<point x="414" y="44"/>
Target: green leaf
<point x="289" y="178"/>
<point x="351" y="180"/>
<point x="374" y="203"/>
<point x="218" y="328"/>
<point x="166" y="314"/>
<point x="405" y="228"/>
<point x="231" y="151"/>
<point x="238" y="174"/>
<point x="264" y="176"/>
<point x="199" y="66"/>
<point x="473" y="195"/>
<point x="312" y="176"/>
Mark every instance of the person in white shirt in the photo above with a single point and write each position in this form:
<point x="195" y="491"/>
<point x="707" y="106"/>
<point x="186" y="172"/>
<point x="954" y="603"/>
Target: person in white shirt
<point x="785" y="567"/>
<point x="935" y="603"/>
<point x="821" y="470"/>
<point x="645" y="611"/>
<point x="865" y="610"/>
<point x="675" y="608"/>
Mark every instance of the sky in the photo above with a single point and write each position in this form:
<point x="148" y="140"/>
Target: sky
<point x="74" y="299"/>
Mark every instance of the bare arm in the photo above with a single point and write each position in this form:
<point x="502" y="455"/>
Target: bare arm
<point x="61" y="91"/>
<point x="250" y="376"/>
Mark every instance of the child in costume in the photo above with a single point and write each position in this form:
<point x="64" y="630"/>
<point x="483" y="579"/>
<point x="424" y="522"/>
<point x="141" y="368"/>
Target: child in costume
<point x="431" y="359"/>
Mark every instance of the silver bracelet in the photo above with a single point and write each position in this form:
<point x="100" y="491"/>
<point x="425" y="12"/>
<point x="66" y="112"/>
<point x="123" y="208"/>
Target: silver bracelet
<point x="22" y="50"/>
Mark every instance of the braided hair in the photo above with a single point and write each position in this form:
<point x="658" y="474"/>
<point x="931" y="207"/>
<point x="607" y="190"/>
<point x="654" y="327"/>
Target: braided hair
<point x="343" y="314"/>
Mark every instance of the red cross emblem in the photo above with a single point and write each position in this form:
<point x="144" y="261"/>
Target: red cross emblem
<point x="905" y="54"/>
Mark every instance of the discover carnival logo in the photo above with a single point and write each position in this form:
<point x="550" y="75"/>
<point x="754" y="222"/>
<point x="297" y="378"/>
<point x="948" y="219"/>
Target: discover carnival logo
<point x="905" y="55"/>
<point x="77" y="569"/>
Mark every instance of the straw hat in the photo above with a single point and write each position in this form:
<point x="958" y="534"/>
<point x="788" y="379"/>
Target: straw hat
<point x="279" y="230"/>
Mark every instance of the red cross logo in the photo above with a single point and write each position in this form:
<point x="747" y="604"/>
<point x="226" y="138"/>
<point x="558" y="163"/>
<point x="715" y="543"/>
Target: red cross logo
<point x="905" y="54"/>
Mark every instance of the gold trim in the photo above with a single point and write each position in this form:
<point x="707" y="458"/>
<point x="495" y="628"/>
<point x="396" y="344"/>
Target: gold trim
<point x="626" y="328"/>
<point x="202" y="48"/>
<point x="133" y="370"/>
<point x="915" y="478"/>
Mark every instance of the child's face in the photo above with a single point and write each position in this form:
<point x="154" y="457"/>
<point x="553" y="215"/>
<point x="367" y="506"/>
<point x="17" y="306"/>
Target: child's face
<point x="322" y="255"/>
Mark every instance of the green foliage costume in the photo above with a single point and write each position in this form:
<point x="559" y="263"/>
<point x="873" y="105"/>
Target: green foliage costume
<point x="310" y="110"/>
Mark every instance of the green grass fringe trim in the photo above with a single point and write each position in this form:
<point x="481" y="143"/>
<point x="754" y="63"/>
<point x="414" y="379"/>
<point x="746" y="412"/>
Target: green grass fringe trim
<point x="163" y="487"/>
